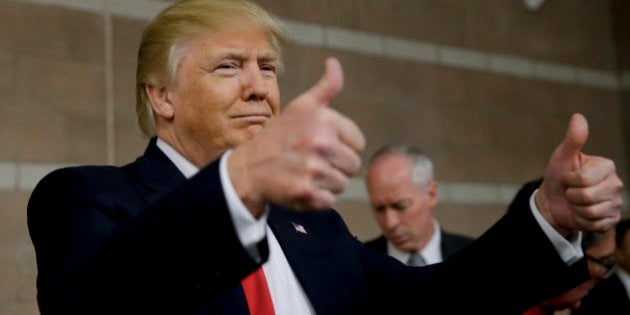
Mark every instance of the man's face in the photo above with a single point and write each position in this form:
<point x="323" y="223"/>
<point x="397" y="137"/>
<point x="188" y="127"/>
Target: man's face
<point x="599" y="254"/>
<point x="403" y="211"/>
<point x="224" y="93"/>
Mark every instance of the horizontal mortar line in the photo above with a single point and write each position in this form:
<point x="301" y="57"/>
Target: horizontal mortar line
<point x="24" y="176"/>
<point x="17" y="176"/>
<point x="460" y="193"/>
<point x="465" y="193"/>
<point x="369" y="43"/>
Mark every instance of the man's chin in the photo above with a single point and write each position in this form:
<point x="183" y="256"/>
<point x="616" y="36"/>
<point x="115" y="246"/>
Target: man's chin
<point x="253" y="130"/>
<point x="404" y="246"/>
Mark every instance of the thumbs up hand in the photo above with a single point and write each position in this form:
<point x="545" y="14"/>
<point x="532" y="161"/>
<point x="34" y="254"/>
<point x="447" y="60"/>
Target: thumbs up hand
<point x="303" y="158"/>
<point x="579" y="191"/>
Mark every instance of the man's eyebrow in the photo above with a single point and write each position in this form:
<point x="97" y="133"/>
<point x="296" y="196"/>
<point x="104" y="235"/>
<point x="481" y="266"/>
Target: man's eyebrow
<point x="403" y="200"/>
<point x="241" y="55"/>
<point x="269" y="56"/>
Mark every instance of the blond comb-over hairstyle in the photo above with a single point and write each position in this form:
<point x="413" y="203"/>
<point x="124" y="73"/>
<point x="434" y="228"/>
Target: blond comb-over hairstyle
<point x="165" y="39"/>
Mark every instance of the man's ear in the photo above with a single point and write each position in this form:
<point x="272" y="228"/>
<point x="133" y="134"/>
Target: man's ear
<point x="160" y="100"/>
<point x="432" y="191"/>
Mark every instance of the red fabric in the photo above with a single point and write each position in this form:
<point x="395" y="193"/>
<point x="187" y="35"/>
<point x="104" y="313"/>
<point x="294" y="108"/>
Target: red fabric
<point x="257" y="293"/>
<point x="536" y="310"/>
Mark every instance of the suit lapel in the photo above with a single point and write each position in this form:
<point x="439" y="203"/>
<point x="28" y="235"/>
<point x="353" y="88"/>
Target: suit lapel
<point x="156" y="173"/>
<point x="445" y="244"/>
<point x="309" y="260"/>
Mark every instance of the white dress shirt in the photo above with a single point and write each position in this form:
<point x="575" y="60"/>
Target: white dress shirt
<point x="286" y="292"/>
<point x="569" y="250"/>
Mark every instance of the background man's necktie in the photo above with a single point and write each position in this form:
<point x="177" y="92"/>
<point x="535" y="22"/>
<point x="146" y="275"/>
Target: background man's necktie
<point x="416" y="260"/>
<point x="257" y="293"/>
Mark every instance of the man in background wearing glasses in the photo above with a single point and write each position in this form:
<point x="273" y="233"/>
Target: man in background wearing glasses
<point x="612" y="295"/>
<point x="599" y="250"/>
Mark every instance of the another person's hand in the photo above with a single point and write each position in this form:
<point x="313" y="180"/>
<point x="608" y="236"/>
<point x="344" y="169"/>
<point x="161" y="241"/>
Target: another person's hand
<point x="579" y="191"/>
<point x="305" y="157"/>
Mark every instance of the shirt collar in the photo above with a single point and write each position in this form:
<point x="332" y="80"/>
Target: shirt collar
<point x="432" y="252"/>
<point x="182" y="164"/>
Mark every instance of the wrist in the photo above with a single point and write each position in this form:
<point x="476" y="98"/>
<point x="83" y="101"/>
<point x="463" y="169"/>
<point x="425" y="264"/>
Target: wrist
<point x="543" y="204"/>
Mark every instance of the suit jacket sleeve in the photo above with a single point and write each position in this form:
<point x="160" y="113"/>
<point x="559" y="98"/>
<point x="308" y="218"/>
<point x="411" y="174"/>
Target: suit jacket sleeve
<point x="100" y="244"/>
<point x="508" y="269"/>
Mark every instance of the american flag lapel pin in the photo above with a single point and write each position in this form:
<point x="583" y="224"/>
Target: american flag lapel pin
<point x="299" y="228"/>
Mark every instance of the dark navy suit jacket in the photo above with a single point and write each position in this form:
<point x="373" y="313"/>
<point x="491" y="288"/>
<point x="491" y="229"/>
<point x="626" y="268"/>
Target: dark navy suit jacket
<point x="142" y="239"/>
<point x="450" y="243"/>
<point x="608" y="297"/>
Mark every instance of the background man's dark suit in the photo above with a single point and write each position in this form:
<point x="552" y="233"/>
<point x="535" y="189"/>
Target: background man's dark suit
<point x="141" y="239"/>
<point x="450" y="243"/>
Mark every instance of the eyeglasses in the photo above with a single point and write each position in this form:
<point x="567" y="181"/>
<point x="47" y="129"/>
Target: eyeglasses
<point x="607" y="262"/>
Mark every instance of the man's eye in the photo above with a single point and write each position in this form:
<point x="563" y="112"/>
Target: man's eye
<point x="226" y="66"/>
<point x="268" y="70"/>
<point x="400" y="207"/>
<point x="226" y="69"/>
<point x="379" y="209"/>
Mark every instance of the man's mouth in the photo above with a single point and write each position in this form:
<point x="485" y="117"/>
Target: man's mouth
<point x="397" y="239"/>
<point x="255" y="118"/>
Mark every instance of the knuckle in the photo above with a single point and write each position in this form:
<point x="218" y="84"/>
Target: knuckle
<point x="589" y="213"/>
<point x="582" y="177"/>
<point x="304" y="196"/>
<point x="322" y="144"/>
<point x="611" y="165"/>
<point x="586" y="195"/>
<point x="618" y="184"/>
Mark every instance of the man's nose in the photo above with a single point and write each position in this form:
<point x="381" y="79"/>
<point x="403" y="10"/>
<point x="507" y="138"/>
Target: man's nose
<point x="253" y="83"/>
<point x="391" y="218"/>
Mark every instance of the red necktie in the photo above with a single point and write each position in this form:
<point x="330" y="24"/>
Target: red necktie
<point x="536" y="310"/>
<point x="257" y="293"/>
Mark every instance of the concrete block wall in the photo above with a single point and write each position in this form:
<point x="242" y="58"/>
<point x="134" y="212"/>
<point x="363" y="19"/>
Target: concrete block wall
<point x="486" y="87"/>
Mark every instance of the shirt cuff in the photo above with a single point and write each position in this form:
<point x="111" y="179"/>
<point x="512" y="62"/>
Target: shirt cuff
<point x="249" y="230"/>
<point x="569" y="250"/>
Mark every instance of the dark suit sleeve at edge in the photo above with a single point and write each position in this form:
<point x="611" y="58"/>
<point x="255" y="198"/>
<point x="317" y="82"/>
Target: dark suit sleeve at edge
<point x="92" y="253"/>
<point x="508" y="269"/>
<point x="515" y="264"/>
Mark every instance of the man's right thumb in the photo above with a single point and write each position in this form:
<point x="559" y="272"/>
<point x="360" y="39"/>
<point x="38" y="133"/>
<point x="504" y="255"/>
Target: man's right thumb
<point x="577" y="133"/>
<point x="329" y="85"/>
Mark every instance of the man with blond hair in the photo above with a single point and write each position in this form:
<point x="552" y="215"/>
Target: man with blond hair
<point x="228" y="210"/>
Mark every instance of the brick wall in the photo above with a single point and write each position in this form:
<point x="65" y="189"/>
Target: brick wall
<point x="486" y="87"/>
